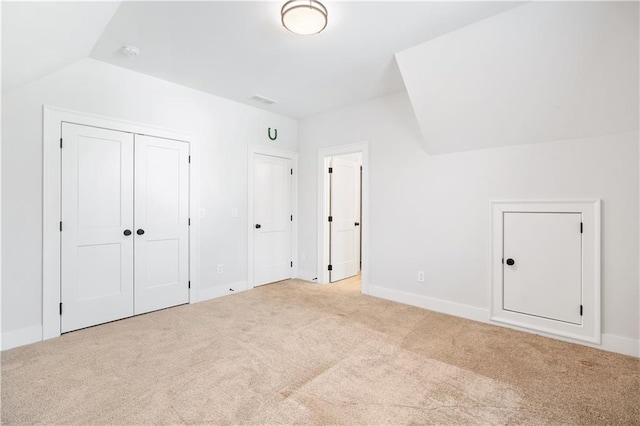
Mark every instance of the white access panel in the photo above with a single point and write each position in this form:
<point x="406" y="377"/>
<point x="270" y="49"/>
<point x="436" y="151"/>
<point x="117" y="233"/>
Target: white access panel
<point x="345" y="214"/>
<point x="272" y="255"/>
<point x="97" y="210"/>
<point x="545" y="277"/>
<point x="161" y="223"/>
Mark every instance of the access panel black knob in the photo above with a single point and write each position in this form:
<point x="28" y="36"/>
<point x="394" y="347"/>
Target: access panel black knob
<point x="357" y="224"/>
<point x="140" y="231"/>
<point x="258" y="226"/>
<point x="511" y="262"/>
<point x="127" y="232"/>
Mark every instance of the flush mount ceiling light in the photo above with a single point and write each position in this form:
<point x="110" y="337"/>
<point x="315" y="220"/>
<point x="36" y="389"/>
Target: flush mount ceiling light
<point x="304" y="17"/>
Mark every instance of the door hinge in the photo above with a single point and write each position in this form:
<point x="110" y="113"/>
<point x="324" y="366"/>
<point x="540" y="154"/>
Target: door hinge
<point x="189" y="284"/>
<point x="189" y="159"/>
<point x="360" y="168"/>
<point x="292" y="263"/>
<point x="330" y="218"/>
<point x="60" y="143"/>
<point x="330" y="268"/>
<point x="291" y="171"/>
<point x="189" y="221"/>
<point x="503" y="260"/>
<point x="291" y="218"/>
<point x="60" y="226"/>
<point x="580" y="310"/>
<point x="581" y="227"/>
<point x="60" y="308"/>
<point x="330" y="169"/>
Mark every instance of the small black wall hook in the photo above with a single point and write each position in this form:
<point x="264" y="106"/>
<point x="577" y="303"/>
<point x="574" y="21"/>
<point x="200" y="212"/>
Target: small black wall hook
<point x="275" y="134"/>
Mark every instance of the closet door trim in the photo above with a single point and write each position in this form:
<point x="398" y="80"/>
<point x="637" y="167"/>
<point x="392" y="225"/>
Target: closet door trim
<point x="53" y="118"/>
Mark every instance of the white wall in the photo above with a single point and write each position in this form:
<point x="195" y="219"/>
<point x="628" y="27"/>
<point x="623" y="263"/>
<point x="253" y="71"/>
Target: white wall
<point x="432" y="213"/>
<point x="539" y="72"/>
<point x="221" y="128"/>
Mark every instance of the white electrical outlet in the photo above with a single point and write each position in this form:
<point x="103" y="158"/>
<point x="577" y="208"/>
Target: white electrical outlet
<point x="420" y="276"/>
<point x="220" y="268"/>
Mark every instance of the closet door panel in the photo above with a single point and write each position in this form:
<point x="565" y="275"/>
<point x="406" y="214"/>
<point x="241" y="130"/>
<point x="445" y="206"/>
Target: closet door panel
<point x="97" y="210"/>
<point x="162" y="223"/>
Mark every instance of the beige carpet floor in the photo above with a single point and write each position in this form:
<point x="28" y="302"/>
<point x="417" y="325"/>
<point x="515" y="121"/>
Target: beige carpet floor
<point x="299" y="353"/>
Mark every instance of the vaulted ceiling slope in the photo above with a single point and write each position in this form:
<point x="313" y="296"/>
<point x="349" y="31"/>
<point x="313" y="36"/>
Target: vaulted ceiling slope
<point x="235" y="49"/>
<point x="541" y="72"/>
<point x="39" y="38"/>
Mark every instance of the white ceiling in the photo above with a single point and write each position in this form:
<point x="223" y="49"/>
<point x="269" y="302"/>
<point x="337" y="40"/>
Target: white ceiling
<point x="235" y="49"/>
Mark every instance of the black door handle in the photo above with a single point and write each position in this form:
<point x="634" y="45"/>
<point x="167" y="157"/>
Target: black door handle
<point x="357" y="223"/>
<point x="140" y="231"/>
<point x="511" y="262"/>
<point x="127" y="232"/>
<point x="258" y="226"/>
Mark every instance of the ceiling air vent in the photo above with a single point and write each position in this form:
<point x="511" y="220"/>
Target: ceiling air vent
<point x="262" y="99"/>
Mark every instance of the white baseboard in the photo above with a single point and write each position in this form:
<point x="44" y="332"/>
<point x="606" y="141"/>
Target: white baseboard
<point x="432" y="304"/>
<point x="21" y="337"/>
<point x="307" y="276"/>
<point x="621" y="345"/>
<point x="221" y="290"/>
<point x="610" y="342"/>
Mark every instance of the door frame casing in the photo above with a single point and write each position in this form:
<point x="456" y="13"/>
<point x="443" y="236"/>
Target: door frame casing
<point x="323" y="209"/>
<point x="53" y="117"/>
<point x="590" y="329"/>
<point x="281" y="153"/>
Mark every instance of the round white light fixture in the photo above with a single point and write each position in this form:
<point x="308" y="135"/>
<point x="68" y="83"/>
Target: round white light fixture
<point x="304" y="17"/>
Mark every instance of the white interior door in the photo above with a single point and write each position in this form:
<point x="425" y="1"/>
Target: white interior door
<point x="162" y="223"/>
<point x="97" y="212"/>
<point x="542" y="268"/>
<point x="344" y="207"/>
<point x="272" y="255"/>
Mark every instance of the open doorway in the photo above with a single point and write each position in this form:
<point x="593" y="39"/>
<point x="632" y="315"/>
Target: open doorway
<point x="343" y="215"/>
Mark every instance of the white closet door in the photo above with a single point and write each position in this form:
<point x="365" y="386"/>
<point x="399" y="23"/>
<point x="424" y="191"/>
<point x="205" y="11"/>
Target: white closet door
<point x="272" y="214"/>
<point x="97" y="210"/>
<point x="345" y="213"/>
<point x="543" y="265"/>
<point x="161" y="221"/>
